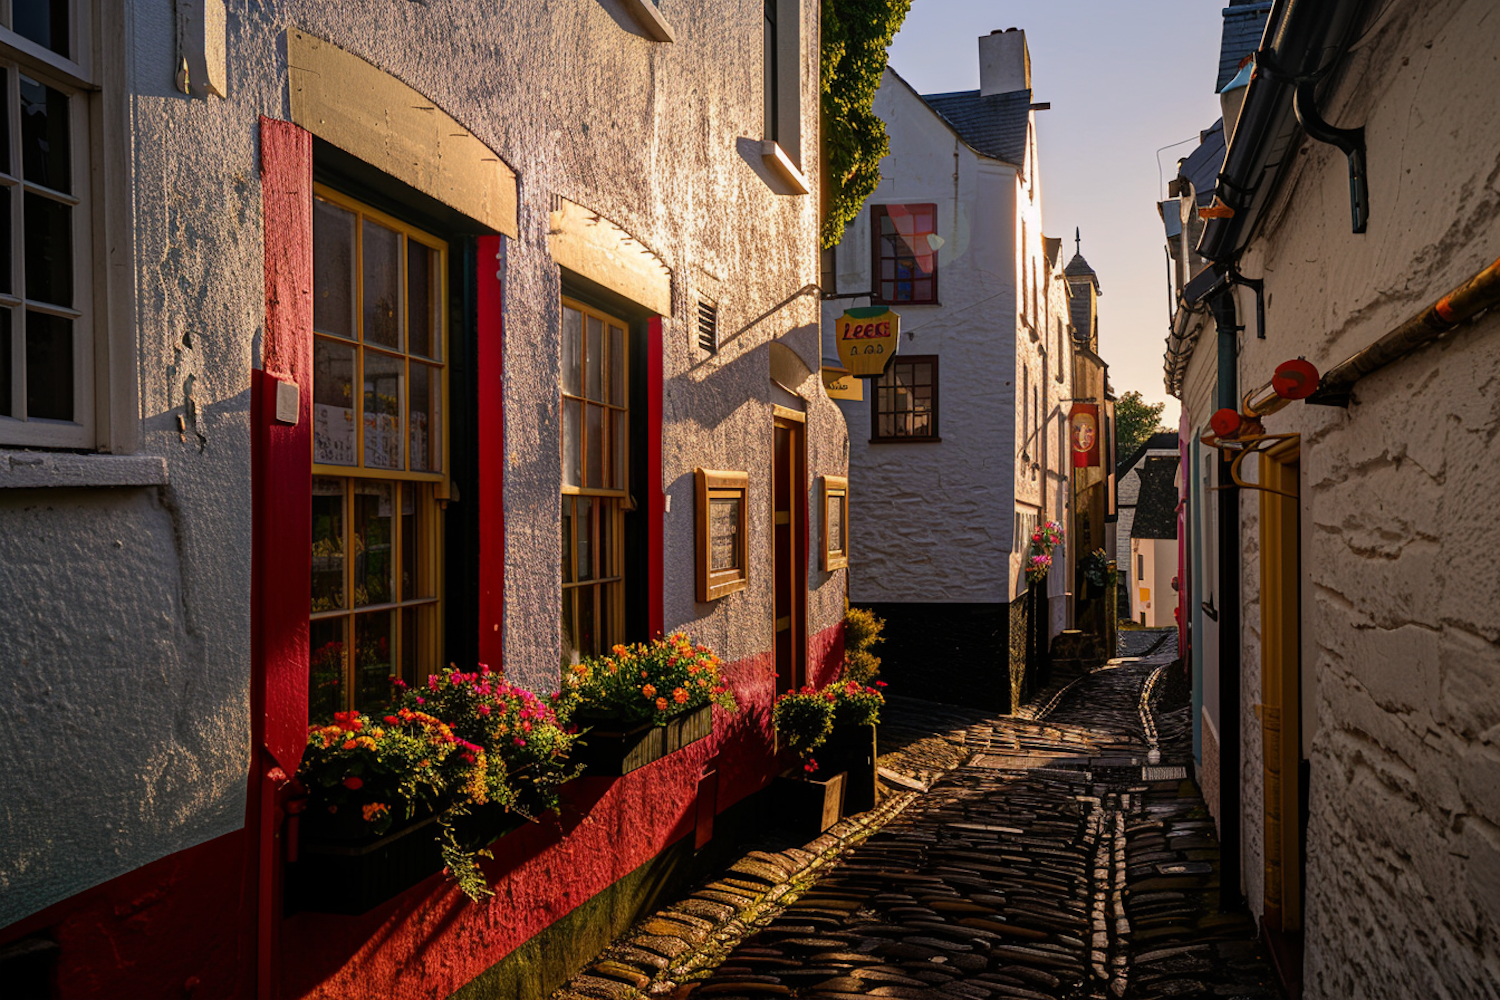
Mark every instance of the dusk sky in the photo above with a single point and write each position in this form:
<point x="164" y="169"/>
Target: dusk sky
<point x="1123" y="79"/>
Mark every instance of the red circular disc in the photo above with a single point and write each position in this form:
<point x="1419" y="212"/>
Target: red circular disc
<point x="1225" y="422"/>
<point x="1295" y="379"/>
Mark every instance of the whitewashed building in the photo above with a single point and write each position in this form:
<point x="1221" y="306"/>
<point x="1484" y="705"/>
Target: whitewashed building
<point x="959" y="450"/>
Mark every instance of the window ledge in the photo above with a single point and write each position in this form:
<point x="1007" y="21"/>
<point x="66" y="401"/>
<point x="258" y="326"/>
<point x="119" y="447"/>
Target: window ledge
<point x="650" y="19"/>
<point x="785" y="171"/>
<point x="907" y="440"/>
<point x="54" y="470"/>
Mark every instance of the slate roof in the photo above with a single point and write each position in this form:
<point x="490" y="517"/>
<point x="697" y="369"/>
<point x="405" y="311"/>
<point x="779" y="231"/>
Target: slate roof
<point x="995" y="125"/>
<point x="1161" y="441"/>
<point x="1244" y="24"/>
<point x="1156" y="508"/>
<point x="1203" y="164"/>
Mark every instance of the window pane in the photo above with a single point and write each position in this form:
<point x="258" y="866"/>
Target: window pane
<point x="572" y="351"/>
<point x="724" y="533"/>
<point x="835" y="540"/>
<point x="44" y="136"/>
<point x="414" y="630"/>
<point x="49" y="250"/>
<point x="572" y="443"/>
<point x="333" y="269"/>
<point x="5" y="166"/>
<point x="411" y="565"/>
<point x="373" y="664"/>
<point x="426" y="411"/>
<point x="44" y="22"/>
<point x="584" y="525"/>
<point x="617" y="365"/>
<point x="887" y="425"/>
<point x="5" y="201"/>
<point x="421" y="295"/>
<point x="333" y="402"/>
<point x="326" y="668"/>
<point x="373" y="516"/>
<point x="6" y="398"/>
<point x="922" y="373"/>
<point x="49" y="367"/>
<point x="327" y="544"/>
<point x="571" y="652"/>
<point x="593" y="362"/>
<point x="594" y="469"/>
<point x="383" y="378"/>
<point x="567" y="542"/>
<point x="621" y="422"/>
<point x="587" y="632"/>
<point x="382" y="285"/>
<point x="606" y="541"/>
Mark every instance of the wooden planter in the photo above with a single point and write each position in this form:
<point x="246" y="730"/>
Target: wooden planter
<point x="612" y="752"/>
<point x="810" y="805"/>
<point x="339" y="873"/>
<point x="853" y="749"/>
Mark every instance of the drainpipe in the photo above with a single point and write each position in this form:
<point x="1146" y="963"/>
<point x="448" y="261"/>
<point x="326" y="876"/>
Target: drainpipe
<point x="1227" y="396"/>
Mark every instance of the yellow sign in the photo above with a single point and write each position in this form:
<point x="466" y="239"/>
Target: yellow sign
<point x="867" y="340"/>
<point x="841" y="385"/>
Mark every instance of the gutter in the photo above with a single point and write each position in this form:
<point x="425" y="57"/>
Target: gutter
<point x="1463" y="303"/>
<point x="1301" y="46"/>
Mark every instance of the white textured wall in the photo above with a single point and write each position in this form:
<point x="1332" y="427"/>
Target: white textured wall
<point x="1400" y="593"/>
<point x="135" y="656"/>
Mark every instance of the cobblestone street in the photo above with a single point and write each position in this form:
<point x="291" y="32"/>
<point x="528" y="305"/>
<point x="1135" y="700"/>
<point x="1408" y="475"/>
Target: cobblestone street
<point x="1050" y="856"/>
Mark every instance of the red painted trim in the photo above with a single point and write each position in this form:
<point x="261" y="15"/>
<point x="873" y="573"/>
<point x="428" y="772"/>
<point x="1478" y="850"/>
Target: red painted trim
<point x="490" y="363"/>
<point x="655" y="497"/>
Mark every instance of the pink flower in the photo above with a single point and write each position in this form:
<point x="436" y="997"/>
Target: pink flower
<point x="484" y="710"/>
<point x="518" y="741"/>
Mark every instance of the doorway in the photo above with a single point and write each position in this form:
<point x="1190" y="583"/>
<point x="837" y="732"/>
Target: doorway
<point x="1281" y="687"/>
<point x="789" y="518"/>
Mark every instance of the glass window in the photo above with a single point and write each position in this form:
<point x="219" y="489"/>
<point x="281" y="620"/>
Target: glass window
<point x="595" y="469"/>
<point x="905" y="255"/>
<point x="378" y="436"/>
<point x="835" y="522"/>
<point x="904" y="405"/>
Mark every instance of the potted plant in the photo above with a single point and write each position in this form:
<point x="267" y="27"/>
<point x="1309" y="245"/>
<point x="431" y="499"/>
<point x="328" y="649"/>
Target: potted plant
<point x="390" y="801"/>
<point x="642" y="702"/>
<point x="842" y="718"/>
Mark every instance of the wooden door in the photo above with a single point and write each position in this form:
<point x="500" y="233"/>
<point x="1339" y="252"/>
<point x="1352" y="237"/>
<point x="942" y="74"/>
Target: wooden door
<point x="1280" y="711"/>
<point x="788" y="514"/>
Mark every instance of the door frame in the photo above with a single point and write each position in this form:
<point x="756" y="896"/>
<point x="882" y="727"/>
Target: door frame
<point x="795" y="422"/>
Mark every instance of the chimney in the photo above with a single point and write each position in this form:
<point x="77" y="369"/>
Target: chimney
<point x="1004" y="62"/>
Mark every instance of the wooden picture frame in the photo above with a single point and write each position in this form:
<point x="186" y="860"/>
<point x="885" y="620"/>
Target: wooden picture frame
<point x="723" y="506"/>
<point x="835" y="504"/>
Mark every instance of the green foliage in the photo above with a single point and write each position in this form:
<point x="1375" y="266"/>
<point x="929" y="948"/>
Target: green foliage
<point x="1135" y="422"/>
<point x="856" y="34"/>
<point x="862" y="629"/>
<point x="805" y="719"/>
<point x="644" y="682"/>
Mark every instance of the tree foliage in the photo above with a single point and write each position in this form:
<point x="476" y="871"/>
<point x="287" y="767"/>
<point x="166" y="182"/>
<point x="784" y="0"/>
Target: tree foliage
<point x="856" y="34"/>
<point x="1135" y="421"/>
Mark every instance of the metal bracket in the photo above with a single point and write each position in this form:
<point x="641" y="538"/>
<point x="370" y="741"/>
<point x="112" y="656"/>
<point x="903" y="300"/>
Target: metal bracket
<point x="1256" y="285"/>
<point x="1351" y="141"/>
<point x="1248" y="445"/>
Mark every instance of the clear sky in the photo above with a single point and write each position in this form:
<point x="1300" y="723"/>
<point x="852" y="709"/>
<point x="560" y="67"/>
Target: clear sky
<point x="1124" y="78"/>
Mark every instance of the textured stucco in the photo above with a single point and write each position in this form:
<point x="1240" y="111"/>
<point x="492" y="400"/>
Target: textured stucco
<point x="1399" y="593"/>
<point x="150" y="639"/>
<point x="934" y="522"/>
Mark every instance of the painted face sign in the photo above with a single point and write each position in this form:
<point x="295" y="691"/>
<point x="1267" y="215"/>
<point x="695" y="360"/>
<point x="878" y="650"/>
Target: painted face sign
<point x="1083" y="424"/>
<point x="867" y="339"/>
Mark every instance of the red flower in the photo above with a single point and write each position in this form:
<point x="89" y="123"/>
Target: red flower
<point x="354" y="783"/>
<point x="880" y="684"/>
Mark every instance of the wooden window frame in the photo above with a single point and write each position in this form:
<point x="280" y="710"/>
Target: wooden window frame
<point x="608" y="577"/>
<point x="835" y="488"/>
<point x="713" y="484"/>
<point x="935" y="437"/>
<point x="877" y="242"/>
<point x="431" y="489"/>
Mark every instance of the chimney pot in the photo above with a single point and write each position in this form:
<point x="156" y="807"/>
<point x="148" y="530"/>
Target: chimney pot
<point x="1004" y="62"/>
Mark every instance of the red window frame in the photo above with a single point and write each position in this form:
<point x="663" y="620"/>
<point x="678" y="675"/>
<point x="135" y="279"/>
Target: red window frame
<point x="904" y="266"/>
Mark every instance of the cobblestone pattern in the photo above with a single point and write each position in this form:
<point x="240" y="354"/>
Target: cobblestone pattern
<point x="1038" y="864"/>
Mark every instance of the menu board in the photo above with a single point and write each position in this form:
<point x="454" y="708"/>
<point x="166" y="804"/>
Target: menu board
<point x="724" y="533"/>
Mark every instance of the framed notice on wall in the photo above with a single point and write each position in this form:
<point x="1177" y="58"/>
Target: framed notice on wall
<point x="835" y="547"/>
<point x="723" y="555"/>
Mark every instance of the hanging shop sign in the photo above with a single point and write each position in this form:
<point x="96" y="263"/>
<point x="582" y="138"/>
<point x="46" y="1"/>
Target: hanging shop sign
<point x="867" y="340"/>
<point x="1083" y="431"/>
<point x="841" y="385"/>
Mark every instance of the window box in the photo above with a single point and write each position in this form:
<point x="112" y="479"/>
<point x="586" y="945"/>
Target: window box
<point x="853" y="750"/>
<point x="723" y="533"/>
<point x="609" y="750"/>
<point x="810" y="805"/>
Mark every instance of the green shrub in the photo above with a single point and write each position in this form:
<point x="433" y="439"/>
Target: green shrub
<point x="862" y="629"/>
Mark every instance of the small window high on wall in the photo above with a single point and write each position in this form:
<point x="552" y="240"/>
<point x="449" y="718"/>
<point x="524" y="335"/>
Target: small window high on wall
<point x="904" y="241"/>
<point x="379" y="444"/>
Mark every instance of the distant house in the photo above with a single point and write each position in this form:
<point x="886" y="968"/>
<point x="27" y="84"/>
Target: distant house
<point x="1129" y="488"/>
<point x="1152" y="555"/>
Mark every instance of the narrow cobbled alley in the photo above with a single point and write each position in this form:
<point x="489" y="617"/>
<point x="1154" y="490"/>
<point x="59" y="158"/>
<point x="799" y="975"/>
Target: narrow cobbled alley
<point x="1060" y="853"/>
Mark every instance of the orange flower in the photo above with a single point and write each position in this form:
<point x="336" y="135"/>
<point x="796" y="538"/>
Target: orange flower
<point x="661" y="704"/>
<point x="350" y="744"/>
<point x="373" y="810"/>
<point x="679" y="695"/>
<point x="649" y="691"/>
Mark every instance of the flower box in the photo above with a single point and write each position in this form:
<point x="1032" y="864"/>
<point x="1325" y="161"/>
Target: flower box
<point x="809" y="805"/>
<point x="853" y="749"/>
<point x="608" y="750"/>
